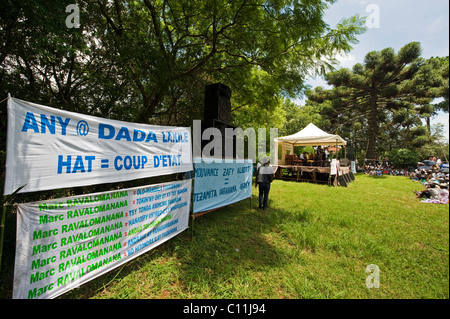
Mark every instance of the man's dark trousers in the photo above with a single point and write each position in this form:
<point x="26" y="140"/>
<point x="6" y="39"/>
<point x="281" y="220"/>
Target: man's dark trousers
<point x="264" y="189"/>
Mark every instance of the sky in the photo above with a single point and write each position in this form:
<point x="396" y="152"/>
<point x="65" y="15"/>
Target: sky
<point x="394" y="23"/>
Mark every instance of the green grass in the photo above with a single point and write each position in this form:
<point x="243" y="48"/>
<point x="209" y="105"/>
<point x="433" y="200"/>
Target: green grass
<point x="314" y="241"/>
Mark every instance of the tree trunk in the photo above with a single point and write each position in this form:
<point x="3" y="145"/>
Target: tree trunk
<point x="149" y="108"/>
<point x="373" y="128"/>
<point x="429" y="125"/>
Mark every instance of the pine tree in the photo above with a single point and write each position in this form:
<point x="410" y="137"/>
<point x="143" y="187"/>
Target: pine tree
<point x="373" y="92"/>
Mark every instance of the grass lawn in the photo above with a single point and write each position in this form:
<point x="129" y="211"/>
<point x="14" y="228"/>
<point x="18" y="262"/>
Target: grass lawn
<point x="314" y="241"/>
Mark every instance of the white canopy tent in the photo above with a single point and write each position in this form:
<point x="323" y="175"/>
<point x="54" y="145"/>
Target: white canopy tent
<point x="311" y="135"/>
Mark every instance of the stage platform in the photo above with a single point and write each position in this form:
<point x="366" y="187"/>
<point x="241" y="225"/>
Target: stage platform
<point x="315" y="174"/>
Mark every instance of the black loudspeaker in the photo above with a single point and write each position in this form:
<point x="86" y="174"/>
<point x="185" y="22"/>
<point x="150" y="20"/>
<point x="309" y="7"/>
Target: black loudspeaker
<point x="342" y="181"/>
<point x="347" y="178"/>
<point x="217" y="103"/>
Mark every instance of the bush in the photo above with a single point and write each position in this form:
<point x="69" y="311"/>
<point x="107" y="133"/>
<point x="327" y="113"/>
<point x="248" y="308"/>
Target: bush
<point x="402" y="157"/>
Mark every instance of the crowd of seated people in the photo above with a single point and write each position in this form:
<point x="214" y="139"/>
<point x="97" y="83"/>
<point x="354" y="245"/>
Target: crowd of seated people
<point x="429" y="176"/>
<point x="384" y="168"/>
<point x="435" y="181"/>
<point x="429" y="173"/>
<point x="434" y="191"/>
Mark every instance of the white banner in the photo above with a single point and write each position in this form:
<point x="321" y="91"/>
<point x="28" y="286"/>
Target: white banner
<point x="49" y="148"/>
<point x="333" y="167"/>
<point x="66" y="242"/>
<point x="220" y="182"/>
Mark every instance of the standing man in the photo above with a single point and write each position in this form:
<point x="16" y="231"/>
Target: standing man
<point x="264" y="176"/>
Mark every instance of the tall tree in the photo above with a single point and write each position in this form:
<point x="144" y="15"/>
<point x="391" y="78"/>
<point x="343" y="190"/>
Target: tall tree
<point x="164" y="44"/>
<point x="431" y="83"/>
<point x="150" y="60"/>
<point x="375" y="91"/>
<point x="44" y="61"/>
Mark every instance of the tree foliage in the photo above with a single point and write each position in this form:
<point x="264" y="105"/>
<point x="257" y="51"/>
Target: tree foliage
<point x="149" y="61"/>
<point x="403" y="158"/>
<point x="378" y="104"/>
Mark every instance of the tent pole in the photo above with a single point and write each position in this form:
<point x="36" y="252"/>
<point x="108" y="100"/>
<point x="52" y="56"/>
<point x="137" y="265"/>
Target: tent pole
<point x="5" y="201"/>
<point x="2" y="232"/>
<point x="442" y="149"/>
<point x="337" y="152"/>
